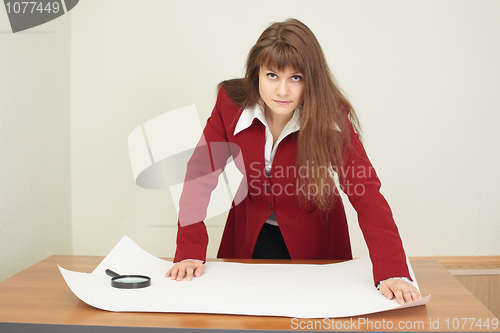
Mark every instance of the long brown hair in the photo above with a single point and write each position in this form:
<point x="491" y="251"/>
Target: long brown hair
<point x="324" y="135"/>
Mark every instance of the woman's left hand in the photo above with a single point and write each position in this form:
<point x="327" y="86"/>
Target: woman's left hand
<point x="404" y="292"/>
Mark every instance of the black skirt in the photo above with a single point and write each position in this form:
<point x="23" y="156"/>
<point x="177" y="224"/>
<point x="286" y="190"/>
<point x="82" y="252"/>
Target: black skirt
<point x="270" y="244"/>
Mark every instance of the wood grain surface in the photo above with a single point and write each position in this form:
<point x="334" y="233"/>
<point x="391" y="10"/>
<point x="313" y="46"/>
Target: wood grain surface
<point x="39" y="294"/>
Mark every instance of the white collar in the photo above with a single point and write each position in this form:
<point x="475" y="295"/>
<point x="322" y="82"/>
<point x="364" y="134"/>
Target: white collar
<point x="249" y="114"/>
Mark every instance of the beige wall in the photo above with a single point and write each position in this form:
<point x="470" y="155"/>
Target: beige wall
<point x="423" y="76"/>
<point x="35" y="172"/>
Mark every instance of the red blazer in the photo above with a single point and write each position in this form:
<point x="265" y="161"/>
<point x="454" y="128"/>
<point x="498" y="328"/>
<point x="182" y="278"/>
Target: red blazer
<point x="308" y="233"/>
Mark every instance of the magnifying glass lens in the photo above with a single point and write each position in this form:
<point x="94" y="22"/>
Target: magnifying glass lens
<point x="130" y="280"/>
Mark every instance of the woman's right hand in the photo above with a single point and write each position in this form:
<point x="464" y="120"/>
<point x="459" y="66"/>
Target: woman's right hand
<point x="186" y="268"/>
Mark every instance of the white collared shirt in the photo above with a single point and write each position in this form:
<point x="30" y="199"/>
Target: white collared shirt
<point x="257" y="111"/>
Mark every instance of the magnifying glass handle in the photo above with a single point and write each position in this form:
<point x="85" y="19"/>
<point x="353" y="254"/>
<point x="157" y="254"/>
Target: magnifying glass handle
<point x="111" y="273"/>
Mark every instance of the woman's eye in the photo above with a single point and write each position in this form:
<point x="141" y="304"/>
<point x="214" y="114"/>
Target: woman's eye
<point x="296" y="78"/>
<point x="272" y="76"/>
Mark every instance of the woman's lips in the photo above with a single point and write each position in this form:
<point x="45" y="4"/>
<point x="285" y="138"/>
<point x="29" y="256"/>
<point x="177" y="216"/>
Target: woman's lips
<point x="283" y="103"/>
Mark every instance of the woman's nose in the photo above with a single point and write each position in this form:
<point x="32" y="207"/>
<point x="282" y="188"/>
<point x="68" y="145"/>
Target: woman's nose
<point x="282" y="88"/>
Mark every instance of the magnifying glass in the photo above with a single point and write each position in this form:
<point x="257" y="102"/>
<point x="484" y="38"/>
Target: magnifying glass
<point x="128" y="281"/>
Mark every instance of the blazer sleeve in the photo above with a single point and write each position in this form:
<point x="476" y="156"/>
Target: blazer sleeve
<point x="203" y="170"/>
<point x="362" y="186"/>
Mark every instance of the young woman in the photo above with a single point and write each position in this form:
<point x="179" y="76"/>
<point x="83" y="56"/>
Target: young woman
<point x="294" y="131"/>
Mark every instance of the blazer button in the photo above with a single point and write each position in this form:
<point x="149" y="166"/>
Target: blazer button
<point x="270" y="206"/>
<point x="268" y="189"/>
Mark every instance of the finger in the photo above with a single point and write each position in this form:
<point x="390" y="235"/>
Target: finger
<point x="181" y="273"/>
<point x="169" y="272"/>
<point x="386" y="291"/>
<point x="189" y="274"/>
<point x="399" y="296"/>
<point x="173" y="272"/>
<point x="199" y="270"/>
<point x="407" y="296"/>
<point x="415" y="295"/>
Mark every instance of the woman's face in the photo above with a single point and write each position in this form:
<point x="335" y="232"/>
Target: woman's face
<point x="282" y="92"/>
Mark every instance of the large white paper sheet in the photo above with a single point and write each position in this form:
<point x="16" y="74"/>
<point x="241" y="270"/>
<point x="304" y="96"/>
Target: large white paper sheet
<point x="303" y="291"/>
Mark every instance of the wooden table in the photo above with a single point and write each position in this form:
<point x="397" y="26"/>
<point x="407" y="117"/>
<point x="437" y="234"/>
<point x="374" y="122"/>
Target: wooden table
<point x="38" y="300"/>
